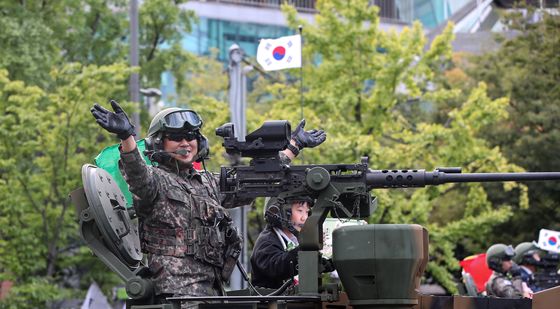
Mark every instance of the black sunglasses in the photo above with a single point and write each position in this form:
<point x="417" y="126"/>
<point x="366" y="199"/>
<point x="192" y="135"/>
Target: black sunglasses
<point x="179" y="136"/>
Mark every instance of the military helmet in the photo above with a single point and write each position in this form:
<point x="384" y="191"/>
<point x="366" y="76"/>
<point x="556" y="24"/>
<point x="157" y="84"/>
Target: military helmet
<point x="498" y="253"/>
<point x="175" y="119"/>
<point x="524" y="253"/>
<point x="278" y="212"/>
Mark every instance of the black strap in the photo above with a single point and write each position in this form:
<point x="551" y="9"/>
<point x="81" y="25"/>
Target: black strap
<point x="293" y="149"/>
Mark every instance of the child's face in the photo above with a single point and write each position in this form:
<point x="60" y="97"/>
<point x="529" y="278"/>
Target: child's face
<point x="300" y="212"/>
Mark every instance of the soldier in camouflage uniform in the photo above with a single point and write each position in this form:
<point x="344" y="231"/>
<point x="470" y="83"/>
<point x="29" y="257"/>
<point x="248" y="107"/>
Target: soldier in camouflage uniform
<point x="184" y="228"/>
<point x="501" y="284"/>
<point x="527" y="256"/>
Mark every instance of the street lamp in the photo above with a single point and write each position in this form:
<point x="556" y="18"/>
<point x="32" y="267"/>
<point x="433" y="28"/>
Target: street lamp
<point x="150" y="100"/>
<point x="134" y="83"/>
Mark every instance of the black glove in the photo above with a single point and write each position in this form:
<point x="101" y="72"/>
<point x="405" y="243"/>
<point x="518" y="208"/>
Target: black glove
<point x="309" y="138"/>
<point x="328" y="265"/>
<point x="115" y="122"/>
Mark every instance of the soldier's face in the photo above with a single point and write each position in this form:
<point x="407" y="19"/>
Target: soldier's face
<point x="536" y="256"/>
<point x="300" y="212"/>
<point x="506" y="265"/>
<point x="173" y="143"/>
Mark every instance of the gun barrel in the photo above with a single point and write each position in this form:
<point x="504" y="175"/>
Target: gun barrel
<point x="420" y="178"/>
<point x="488" y="177"/>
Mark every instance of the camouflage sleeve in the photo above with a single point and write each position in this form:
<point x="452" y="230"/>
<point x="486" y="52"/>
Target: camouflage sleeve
<point x="504" y="288"/>
<point x="140" y="178"/>
<point x="517" y="283"/>
<point x="284" y="158"/>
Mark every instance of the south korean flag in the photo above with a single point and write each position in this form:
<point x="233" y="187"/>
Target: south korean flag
<point x="279" y="54"/>
<point x="549" y="240"/>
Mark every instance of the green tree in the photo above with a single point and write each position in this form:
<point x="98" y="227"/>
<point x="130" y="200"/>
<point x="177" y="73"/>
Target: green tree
<point x="47" y="137"/>
<point x="362" y="92"/>
<point x="41" y="34"/>
<point x="162" y="26"/>
<point x="57" y="59"/>
<point x="526" y="69"/>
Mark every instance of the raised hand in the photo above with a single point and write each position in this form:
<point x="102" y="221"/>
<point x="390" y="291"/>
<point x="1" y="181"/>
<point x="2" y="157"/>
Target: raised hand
<point x="308" y="139"/>
<point x="115" y="122"/>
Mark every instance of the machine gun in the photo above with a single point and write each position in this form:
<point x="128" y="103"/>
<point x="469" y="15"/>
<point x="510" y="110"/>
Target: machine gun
<point x="343" y="190"/>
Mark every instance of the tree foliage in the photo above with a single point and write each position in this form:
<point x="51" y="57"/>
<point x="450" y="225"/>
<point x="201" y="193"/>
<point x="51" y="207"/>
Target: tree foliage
<point x="56" y="60"/>
<point x="47" y="137"/>
<point x="41" y="34"/>
<point x="526" y="69"/>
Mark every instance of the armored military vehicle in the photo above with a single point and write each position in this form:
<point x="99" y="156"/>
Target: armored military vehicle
<point x="380" y="265"/>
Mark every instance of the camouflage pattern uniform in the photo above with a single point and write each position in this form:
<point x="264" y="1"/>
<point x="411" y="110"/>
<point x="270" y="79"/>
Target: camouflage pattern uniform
<point x="500" y="285"/>
<point x="182" y="225"/>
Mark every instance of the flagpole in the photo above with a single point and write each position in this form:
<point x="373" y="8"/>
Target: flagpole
<point x="300" y="27"/>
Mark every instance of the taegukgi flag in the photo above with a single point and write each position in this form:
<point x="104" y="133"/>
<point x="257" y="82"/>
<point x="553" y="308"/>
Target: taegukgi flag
<point x="279" y="54"/>
<point x="549" y="240"/>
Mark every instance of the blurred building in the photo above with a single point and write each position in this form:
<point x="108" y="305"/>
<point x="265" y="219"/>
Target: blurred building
<point x="223" y="23"/>
<point x="244" y="22"/>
